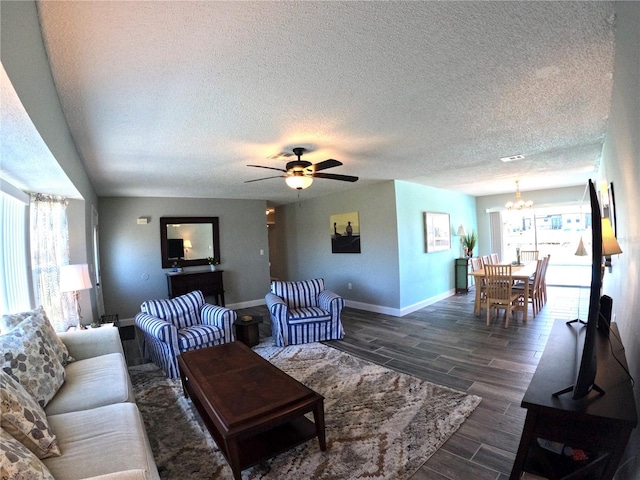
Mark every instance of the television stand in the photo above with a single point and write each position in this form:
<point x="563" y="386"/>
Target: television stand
<point x="597" y="424"/>
<point x="570" y="389"/>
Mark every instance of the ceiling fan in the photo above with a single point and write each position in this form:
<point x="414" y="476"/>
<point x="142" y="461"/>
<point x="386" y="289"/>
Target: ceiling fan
<point x="299" y="173"/>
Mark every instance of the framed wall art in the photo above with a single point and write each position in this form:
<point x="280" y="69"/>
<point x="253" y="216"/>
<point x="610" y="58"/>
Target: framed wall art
<point x="345" y="232"/>
<point x="437" y="232"/>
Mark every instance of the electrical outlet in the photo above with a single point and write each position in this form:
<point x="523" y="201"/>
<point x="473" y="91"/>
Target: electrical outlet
<point x="349" y="286"/>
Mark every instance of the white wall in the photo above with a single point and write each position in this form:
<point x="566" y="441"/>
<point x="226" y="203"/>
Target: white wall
<point x="621" y="165"/>
<point x="130" y="253"/>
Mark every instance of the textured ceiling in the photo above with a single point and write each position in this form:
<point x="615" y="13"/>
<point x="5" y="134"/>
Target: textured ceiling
<point x="176" y="98"/>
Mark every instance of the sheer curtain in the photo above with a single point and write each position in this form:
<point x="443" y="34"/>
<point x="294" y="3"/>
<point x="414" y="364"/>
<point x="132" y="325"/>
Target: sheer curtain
<point x="495" y="225"/>
<point x="14" y="280"/>
<point x="49" y="251"/>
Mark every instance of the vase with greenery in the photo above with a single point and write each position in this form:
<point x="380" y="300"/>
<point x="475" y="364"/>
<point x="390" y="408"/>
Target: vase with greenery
<point x="469" y="242"/>
<point x="212" y="263"/>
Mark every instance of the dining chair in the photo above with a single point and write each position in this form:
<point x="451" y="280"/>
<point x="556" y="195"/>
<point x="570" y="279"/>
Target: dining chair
<point x="486" y="260"/>
<point x="476" y="264"/>
<point x="527" y="256"/>
<point x="543" y="280"/>
<point x="500" y="293"/>
<point x="535" y="292"/>
<point x="495" y="260"/>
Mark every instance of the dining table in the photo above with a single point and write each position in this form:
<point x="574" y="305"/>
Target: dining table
<point x="522" y="272"/>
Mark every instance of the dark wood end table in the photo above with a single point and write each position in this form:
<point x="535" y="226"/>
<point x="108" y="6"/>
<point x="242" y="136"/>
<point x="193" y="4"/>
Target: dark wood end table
<point x="247" y="330"/>
<point x="253" y="410"/>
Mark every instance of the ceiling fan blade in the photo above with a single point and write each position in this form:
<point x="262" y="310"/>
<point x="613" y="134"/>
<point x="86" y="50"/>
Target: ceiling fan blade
<point x="329" y="163"/>
<point x="333" y="176"/>
<point x="265" y="178"/>
<point x="269" y="168"/>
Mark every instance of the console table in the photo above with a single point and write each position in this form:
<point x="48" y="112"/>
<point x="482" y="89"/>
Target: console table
<point x="598" y="424"/>
<point x="209" y="283"/>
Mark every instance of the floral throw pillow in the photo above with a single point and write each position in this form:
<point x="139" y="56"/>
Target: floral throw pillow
<point x="30" y="360"/>
<point x="19" y="462"/>
<point x="24" y="419"/>
<point x="40" y="320"/>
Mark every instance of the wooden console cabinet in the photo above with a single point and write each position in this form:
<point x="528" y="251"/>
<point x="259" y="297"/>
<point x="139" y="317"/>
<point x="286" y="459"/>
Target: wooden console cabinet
<point x="462" y="275"/>
<point x="597" y="424"/>
<point x="209" y="283"/>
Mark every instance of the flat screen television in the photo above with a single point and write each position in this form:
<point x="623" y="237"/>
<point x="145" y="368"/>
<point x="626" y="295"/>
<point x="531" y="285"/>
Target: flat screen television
<point x="586" y="372"/>
<point x="175" y="247"/>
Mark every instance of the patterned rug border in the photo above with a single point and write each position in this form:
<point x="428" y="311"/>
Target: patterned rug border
<point x="398" y="423"/>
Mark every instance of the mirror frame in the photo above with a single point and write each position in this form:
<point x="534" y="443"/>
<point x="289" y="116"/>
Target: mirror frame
<point x="164" y="221"/>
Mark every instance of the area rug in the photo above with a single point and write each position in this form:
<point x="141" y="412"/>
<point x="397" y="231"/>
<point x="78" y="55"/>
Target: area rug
<point x="380" y="424"/>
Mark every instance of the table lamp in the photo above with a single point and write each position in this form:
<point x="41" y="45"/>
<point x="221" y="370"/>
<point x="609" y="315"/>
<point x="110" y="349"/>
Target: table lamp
<point x="74" y="278"/>
<point x="187" y="245"/>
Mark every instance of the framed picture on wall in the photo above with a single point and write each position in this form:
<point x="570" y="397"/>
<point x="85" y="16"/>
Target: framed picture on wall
<point x="345" y="232"/>
<point x="437" y="232"/>
<point x="612" y="210"/>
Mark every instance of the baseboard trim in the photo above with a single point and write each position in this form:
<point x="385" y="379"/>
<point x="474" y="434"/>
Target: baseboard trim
<point x="369" y="307"/>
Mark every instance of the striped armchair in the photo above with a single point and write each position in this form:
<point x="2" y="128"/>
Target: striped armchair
<point x="303" y="312"/>
<point x="180" y="324"/>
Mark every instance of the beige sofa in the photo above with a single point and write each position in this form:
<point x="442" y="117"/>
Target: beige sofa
<point x="98" y="427"/>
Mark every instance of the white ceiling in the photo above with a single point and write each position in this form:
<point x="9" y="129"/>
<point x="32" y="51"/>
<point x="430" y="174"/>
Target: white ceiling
<point x="176" y="98"/>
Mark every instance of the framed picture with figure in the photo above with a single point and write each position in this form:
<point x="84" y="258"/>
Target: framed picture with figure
<point x="345" y="232"/>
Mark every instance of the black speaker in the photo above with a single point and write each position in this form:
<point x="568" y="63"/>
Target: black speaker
<point x="604" y="318"/>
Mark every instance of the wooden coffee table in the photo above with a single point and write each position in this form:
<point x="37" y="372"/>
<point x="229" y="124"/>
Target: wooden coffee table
<point x="252" y="409"/>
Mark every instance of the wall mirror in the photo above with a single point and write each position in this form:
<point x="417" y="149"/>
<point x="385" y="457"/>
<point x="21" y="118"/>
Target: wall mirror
<point x="188" y="241"/>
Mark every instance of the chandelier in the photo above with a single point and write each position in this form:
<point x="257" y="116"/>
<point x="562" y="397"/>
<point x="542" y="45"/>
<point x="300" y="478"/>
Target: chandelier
<point x="519" y="204"/>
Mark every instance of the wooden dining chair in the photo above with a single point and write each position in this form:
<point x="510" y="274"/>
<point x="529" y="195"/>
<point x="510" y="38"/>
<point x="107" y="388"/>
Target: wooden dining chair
<point x="495" y="260"/>
<point x="476" y="264"/>
<point x="500" y="293"/>
<point x="527" y="256"/>
<point x="543" y="280"/>
<point x="486" y="260"/>
<point x="535" y="292"/>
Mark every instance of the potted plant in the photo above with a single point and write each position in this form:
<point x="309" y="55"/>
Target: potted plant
<point x="469" y="242"/>
<point x="212" y="263"/>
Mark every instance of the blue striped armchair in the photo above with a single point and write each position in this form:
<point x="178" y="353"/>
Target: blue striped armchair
<point x="303" y="312"/>
<point x="180" y="324"/>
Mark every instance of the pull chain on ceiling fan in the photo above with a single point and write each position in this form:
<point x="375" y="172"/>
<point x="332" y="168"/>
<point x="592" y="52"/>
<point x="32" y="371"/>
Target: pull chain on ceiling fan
<point x="299" y="174"/>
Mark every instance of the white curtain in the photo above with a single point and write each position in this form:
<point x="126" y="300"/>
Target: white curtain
<point x="49" y="251"/>
<point x="495" y="224"/>
<point x="14" y="281"/>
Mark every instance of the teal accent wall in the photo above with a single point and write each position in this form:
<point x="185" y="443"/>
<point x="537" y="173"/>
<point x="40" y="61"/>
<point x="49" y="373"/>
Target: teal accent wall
<point x="426" y="276"/>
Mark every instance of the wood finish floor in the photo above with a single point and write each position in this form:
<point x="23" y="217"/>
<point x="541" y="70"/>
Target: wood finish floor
<point x="447" y="344"/>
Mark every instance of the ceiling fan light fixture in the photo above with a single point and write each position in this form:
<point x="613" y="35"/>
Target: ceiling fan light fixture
<point x="299" y="181"/>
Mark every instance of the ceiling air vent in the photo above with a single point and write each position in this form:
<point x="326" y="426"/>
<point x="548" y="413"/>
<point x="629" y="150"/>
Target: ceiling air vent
<point x="512" y="158"/>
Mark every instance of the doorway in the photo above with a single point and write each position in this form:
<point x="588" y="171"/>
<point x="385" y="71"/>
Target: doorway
<point x="554" y="231"/>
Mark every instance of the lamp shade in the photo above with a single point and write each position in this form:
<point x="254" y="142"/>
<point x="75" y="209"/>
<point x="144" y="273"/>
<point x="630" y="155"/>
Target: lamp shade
<point x="609" y="242"/>
<point x="581" y="251"/>
<point x="187" y="244"/>
<point x="74" y="277"/>
<point x="461" y="232"/>
<point x="299" y="182"/>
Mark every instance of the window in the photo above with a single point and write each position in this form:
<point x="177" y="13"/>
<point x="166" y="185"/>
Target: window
<point x="15" y="289"/>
